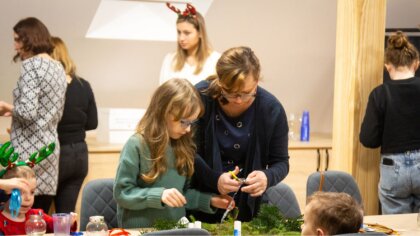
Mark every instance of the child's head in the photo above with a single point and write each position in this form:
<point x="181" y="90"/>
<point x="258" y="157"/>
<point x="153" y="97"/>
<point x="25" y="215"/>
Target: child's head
<point x="330" y="213"/>
<point x="27" y="173"/>
<point x="173" y="109"/>
<point x="400" y="53"/>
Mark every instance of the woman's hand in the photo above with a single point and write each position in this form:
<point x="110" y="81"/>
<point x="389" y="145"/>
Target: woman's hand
<point x="5" y="109"/>
<point x="226" y="184"/>
<point x="221" y="201"/>
<point x="173" y="198"/>
<point x="256" y="183"/>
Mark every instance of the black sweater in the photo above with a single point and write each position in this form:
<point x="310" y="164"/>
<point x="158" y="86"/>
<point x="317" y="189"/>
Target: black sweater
<point x="80" y="112"/>
<point x="392" y="118"/>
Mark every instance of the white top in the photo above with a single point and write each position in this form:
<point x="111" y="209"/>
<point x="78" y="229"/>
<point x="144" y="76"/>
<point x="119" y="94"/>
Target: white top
<point x="187" y="71"/>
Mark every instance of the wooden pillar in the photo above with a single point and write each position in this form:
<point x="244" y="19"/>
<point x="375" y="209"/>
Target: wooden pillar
<point x="358" y="69"/>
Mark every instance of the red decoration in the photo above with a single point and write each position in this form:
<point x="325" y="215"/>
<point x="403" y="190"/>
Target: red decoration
<point x="189" y="10"/>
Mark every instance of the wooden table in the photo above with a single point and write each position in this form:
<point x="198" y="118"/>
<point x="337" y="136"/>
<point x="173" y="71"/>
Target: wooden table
<point x="405" y="224"/>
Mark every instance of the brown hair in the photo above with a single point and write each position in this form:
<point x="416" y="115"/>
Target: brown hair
<point x="34" y="36"/>
<point x="336" y="213"/>
<point x="61" y="54"/>
<point x="204" y="48"/>
<point x="232" y="68"/>
<point x="399" y="51"/>
<point x="20" y="172"/>
<point x="177" y="97"/>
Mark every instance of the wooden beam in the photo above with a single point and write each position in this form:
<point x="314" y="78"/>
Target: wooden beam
<point x="358" y="69"/>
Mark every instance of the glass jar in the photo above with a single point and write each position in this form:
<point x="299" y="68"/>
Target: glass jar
<point x="96" y="226"/>
<point x="35" y="225"/>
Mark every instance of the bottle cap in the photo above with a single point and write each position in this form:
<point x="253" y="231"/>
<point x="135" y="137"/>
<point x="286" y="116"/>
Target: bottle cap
<point x="237" y="224"/>
<point x="197" y="224"/>
<point x="96" y="218"/>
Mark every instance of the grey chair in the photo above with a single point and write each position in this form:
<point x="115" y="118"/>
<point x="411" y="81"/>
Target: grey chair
<point x="97" y="200"/>
<point x="283" y="197"/>
<point x="192" y="231"/>
<point x="334" y="181"/>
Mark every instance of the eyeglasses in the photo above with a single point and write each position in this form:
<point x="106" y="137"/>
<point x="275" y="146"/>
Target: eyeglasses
<point x="245" y="97"/>
<point x="187" y="123"/>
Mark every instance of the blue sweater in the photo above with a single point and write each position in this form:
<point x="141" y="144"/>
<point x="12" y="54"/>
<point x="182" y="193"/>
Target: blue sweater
<point x="139" y="203"/>
<point x="267" y="151"/>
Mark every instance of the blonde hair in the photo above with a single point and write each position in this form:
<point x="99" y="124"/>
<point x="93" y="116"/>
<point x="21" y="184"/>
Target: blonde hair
<point x="232" y="68"/>
<point x="61" y="54"/>
<point x="20" y="172"/>
<point x="204" y="49"/>
<point x="177" y="97"/>
<point x="399" y="51"/>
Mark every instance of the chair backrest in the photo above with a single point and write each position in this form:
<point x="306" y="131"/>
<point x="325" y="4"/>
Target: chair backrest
<point x="98" y="200"/>
<point x="283" y="197"/>
<point x="334" y="181"/>
<point x="192" y="231"/>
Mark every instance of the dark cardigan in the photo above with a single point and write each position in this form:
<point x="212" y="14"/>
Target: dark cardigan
<point x="268" y="149"/>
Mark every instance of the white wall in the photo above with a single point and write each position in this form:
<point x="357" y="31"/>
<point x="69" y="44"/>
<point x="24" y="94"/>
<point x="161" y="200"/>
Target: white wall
<point x="294" y="39"/>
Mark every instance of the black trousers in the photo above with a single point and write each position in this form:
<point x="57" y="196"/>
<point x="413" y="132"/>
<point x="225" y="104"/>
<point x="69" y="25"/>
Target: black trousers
<point x="73" y="169"/>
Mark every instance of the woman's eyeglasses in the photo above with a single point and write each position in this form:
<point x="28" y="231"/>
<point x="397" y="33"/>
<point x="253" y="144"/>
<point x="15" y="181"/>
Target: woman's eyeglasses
<point x="245" y="97"/>
<point x="187" y="123"/>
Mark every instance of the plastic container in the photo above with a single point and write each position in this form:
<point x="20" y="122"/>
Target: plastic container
<point x="96" y="226"/>
<point x="35" y="225"/>
<point x="305" y="128"/>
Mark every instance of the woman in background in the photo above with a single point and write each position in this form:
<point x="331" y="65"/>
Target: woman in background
<point x="80" y="114"/>
<point x="392" y="122"/>
<point x="194" y="59"/>
<point x="38" y="103"/>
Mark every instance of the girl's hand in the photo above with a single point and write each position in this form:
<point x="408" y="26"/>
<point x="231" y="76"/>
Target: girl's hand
<point x="256" y="183"/>
<point x="221" y="201"/>
<point x="226" y="184"/>
<point x="173" y="198"/>
<point x="5" y="109"/>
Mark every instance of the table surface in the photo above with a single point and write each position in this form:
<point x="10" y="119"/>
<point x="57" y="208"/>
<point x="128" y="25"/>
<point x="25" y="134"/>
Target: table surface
<point x="405" y="224"/>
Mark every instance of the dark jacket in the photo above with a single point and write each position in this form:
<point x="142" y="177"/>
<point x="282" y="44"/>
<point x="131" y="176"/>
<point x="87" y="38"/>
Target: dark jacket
<point x="268" y="149"/>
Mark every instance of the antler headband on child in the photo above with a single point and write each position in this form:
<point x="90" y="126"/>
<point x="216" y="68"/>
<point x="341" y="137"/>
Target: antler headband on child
<point x="189" y="10"/>
<point x="8" y="158"/>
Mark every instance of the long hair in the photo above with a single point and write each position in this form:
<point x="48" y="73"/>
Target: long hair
<point x="61" y="54"/>
<point x="204" y="49"/>
<point x="232" y="68"/>
<point x="34" y="36"/>
<point x="399" y="51"/>
<point x="337" y="213"/>
<point x="177" y="97"/>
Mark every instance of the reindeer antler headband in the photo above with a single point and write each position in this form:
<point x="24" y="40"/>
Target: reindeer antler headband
<point x="8" y="158"/>
<point x="189" y="10"/>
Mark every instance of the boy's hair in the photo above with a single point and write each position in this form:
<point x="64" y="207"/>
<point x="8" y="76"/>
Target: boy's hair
<point x="177" y="97"/>
<point x="203" y="49"/>
<point x="336" y="213"/>
<point x="20" y="172"/>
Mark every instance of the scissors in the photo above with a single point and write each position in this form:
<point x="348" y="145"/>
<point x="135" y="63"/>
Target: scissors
<point x="229" y="208"/>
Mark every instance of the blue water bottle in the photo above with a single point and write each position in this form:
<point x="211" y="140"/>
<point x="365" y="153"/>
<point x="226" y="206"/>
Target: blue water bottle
<point x="304" y="129"/>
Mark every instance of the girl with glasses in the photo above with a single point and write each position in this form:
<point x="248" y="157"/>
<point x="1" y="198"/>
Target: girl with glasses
<point x="157" y="162"/>
<point x="243" y="127"/>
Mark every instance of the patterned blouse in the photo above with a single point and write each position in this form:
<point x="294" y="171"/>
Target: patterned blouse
<point x="38" y="103"/>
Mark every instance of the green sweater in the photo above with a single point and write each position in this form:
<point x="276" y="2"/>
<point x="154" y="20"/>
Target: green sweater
<point x="139" y="203"/>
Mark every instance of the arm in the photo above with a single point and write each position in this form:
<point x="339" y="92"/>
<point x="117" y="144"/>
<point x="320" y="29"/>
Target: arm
<point x="197" y="200"/>
<point x="92" y="112"/>
<point x="26" y="104"/>
<point x="5" y="109"/>
<point x="372" y="126"/>
<point x="127" y="193"/>
<point x="9" y="184"/>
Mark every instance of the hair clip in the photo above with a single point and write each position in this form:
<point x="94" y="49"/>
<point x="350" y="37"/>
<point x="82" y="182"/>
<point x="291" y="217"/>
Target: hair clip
<point x="189" y="10"/>
<point x="8" y="158"/>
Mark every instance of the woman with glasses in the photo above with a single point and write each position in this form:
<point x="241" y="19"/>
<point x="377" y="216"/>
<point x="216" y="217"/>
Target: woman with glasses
<point x="243" y="130"/>
<point x="194" y="58"/>
<point x="157" y="162"/>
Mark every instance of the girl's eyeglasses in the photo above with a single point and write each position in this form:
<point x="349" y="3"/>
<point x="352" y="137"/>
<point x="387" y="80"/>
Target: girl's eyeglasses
<point x="187" y="123"/>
